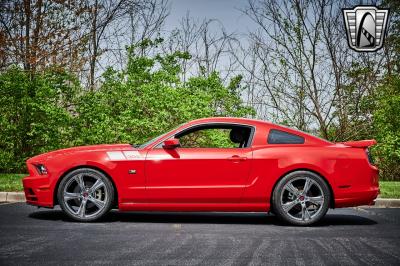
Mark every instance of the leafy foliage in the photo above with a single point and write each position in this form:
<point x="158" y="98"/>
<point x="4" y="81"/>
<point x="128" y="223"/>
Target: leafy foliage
<point x="386" y="122"/>
<point x="35" y="116"/>
<point x="148" y="98"/>
<point x="51" y="110"/>
<point x="208" y="138"/>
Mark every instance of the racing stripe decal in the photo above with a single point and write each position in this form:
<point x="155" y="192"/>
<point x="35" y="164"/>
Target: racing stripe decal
<point x="130" y="155"/>
<point x="123" y="156"/>
<point x="116" y="156"/>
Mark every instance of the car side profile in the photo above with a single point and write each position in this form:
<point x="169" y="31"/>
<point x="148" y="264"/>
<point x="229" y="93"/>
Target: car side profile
<point x="211" y="164"/>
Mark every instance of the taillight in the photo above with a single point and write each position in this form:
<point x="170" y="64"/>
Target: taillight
<point x="370" y="160"/>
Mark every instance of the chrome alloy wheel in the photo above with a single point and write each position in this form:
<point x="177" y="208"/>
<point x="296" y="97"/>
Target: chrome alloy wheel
<point x="302" y="198"/>
<point x="85" y="195"/>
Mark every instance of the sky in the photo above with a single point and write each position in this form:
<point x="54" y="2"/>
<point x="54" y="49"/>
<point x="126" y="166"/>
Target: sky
<point x="226" y="11"/>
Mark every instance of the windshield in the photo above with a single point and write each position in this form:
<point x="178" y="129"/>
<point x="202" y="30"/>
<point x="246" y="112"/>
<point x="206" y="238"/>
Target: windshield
<point x="141" y="146"/>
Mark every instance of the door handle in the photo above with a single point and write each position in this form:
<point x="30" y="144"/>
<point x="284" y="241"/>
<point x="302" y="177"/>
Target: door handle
<point x="237" y="158"/>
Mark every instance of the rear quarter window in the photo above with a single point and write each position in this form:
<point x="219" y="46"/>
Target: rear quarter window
<point x="281" y="137"/>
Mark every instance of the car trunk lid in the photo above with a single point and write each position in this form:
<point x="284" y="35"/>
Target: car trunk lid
<point x="363" y="144"/>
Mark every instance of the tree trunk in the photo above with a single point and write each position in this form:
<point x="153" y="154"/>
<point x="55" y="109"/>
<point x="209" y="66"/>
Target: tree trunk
<point x="93" y="58"/>
<point x="27" y="7"/>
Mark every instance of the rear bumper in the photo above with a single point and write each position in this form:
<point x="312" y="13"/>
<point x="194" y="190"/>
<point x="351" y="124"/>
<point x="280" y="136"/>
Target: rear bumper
<point x="37" y="191"/>
<point x="366" y="197"/>
<point x="360" y="194"/>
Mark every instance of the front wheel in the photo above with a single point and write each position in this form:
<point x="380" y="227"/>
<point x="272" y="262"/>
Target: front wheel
<point x="301" y="198"/>
<point x="85" y="194"/>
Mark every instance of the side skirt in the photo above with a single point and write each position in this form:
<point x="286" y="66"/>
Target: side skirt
<point x="193" y="207"/>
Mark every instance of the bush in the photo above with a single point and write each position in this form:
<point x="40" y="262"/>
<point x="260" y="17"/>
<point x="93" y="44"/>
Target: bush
<point x="386" y="122"/>
<point x="148" y="98"/>
<point x="50" y="110"/>
<point x="35" y="115"/>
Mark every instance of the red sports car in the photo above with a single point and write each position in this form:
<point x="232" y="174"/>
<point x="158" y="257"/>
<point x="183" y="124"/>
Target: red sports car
<point x="211" y="164"/>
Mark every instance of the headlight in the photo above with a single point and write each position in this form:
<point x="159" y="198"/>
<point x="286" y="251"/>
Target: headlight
<point x="41" y="169"/>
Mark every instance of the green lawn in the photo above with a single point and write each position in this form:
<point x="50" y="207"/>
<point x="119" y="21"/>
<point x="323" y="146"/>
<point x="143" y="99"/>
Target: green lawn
<point x="12" y="182"/>
<point x="390" y="189"/>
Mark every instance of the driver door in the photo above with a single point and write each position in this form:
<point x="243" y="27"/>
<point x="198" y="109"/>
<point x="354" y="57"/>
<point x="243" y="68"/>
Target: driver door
<point x="205" y="169"/>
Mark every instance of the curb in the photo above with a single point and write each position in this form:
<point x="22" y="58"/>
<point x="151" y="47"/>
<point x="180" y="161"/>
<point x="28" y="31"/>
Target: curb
<point x="386" y="203"/>
<point x="12" y="197"/>
<point x="379" y="203"/>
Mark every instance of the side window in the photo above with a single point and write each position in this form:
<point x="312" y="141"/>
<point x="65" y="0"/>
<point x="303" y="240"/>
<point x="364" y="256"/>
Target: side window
<point x="208" y="138"/>
<point x="281" y="137"/>
<point x="215" y="136"/>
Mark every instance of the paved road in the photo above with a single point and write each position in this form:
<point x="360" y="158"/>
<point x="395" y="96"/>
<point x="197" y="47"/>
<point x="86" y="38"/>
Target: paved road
<point x="345" y="237"/>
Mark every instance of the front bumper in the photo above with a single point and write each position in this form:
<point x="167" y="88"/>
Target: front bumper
<point x="37" y="191"/>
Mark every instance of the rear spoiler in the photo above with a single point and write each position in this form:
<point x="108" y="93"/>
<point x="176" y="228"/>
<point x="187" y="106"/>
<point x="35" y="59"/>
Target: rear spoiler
<point x="360" y="143"/>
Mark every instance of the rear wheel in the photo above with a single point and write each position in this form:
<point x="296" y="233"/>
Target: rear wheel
<point x="301" y="198"/>
<point x="85" y="194"/>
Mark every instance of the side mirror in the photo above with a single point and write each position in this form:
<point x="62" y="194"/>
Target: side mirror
<point x="171" y="143"/>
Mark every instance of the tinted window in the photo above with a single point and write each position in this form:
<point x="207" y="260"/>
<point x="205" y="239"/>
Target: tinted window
<point x="282" y="137"/>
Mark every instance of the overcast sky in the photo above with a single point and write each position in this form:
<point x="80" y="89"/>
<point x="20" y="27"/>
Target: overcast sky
<point x="226" y="11"/>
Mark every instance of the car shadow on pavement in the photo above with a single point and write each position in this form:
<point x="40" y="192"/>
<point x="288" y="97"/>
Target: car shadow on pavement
<point x="203" y="218"/>
<point x="345" y="219"/>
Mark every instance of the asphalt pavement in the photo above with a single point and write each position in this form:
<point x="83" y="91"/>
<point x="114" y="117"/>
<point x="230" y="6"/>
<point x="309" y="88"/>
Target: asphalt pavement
<point x="352" y="236"/>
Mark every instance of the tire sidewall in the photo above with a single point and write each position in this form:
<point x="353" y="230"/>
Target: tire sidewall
<point x="276" y="197"/>
<point x="108" y="186"/>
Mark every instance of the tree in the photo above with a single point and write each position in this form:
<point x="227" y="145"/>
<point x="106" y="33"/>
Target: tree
<point x="102" y="13"/>
<point x="39" y="34"/>
<point x="36" y="115"/>
<point x="148" y="98"/>
<point x="208" y="43"/>
<point x="392" y="45"/>
<point x="291" y="67"/>
<point x="301" y="67"/>
<point x="109" y="34"/>
<point x="386" y="122"/>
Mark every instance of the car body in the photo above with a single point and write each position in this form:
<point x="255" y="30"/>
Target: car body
<point x="161" y="176"/>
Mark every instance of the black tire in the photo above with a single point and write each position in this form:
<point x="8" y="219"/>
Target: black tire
<point x="88" y="204"/>
<point x="294" y="208"/>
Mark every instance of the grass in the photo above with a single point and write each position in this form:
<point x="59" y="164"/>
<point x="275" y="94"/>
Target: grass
<point x="390" y="189"/>
<point x="13" y="182"/>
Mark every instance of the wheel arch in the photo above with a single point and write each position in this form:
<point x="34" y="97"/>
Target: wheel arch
<point x="55" y="199"/>
<point x="332" y="199"/>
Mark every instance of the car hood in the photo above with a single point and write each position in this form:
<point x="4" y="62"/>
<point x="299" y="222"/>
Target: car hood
<point x="102" y="147"/>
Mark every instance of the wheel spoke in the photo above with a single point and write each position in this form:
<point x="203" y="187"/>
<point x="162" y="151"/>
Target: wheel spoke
<point x="302" y="198"/>
<point x="80" y="181"/>
<point x="305" y="215"/>
<point x="85" y="195"/>
<point x="69" y="195"/>
<point x="319" y="200"/>
<point x="99" y="204"/>
<point x="292" y="189"/>
<point x="82" y="209"/>
<point x="98" y="184"/>
<point x="308" y="183"/>
<point x="289" y="205"/>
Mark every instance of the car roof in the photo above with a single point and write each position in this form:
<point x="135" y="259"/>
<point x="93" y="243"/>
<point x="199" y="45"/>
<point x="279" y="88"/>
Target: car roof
<point x="231" y="120"/>
<point x="257" y="122"/>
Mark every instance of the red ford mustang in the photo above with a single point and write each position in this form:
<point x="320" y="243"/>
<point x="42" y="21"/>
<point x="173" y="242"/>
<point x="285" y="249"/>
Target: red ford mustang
<point x="212" y="164"/>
